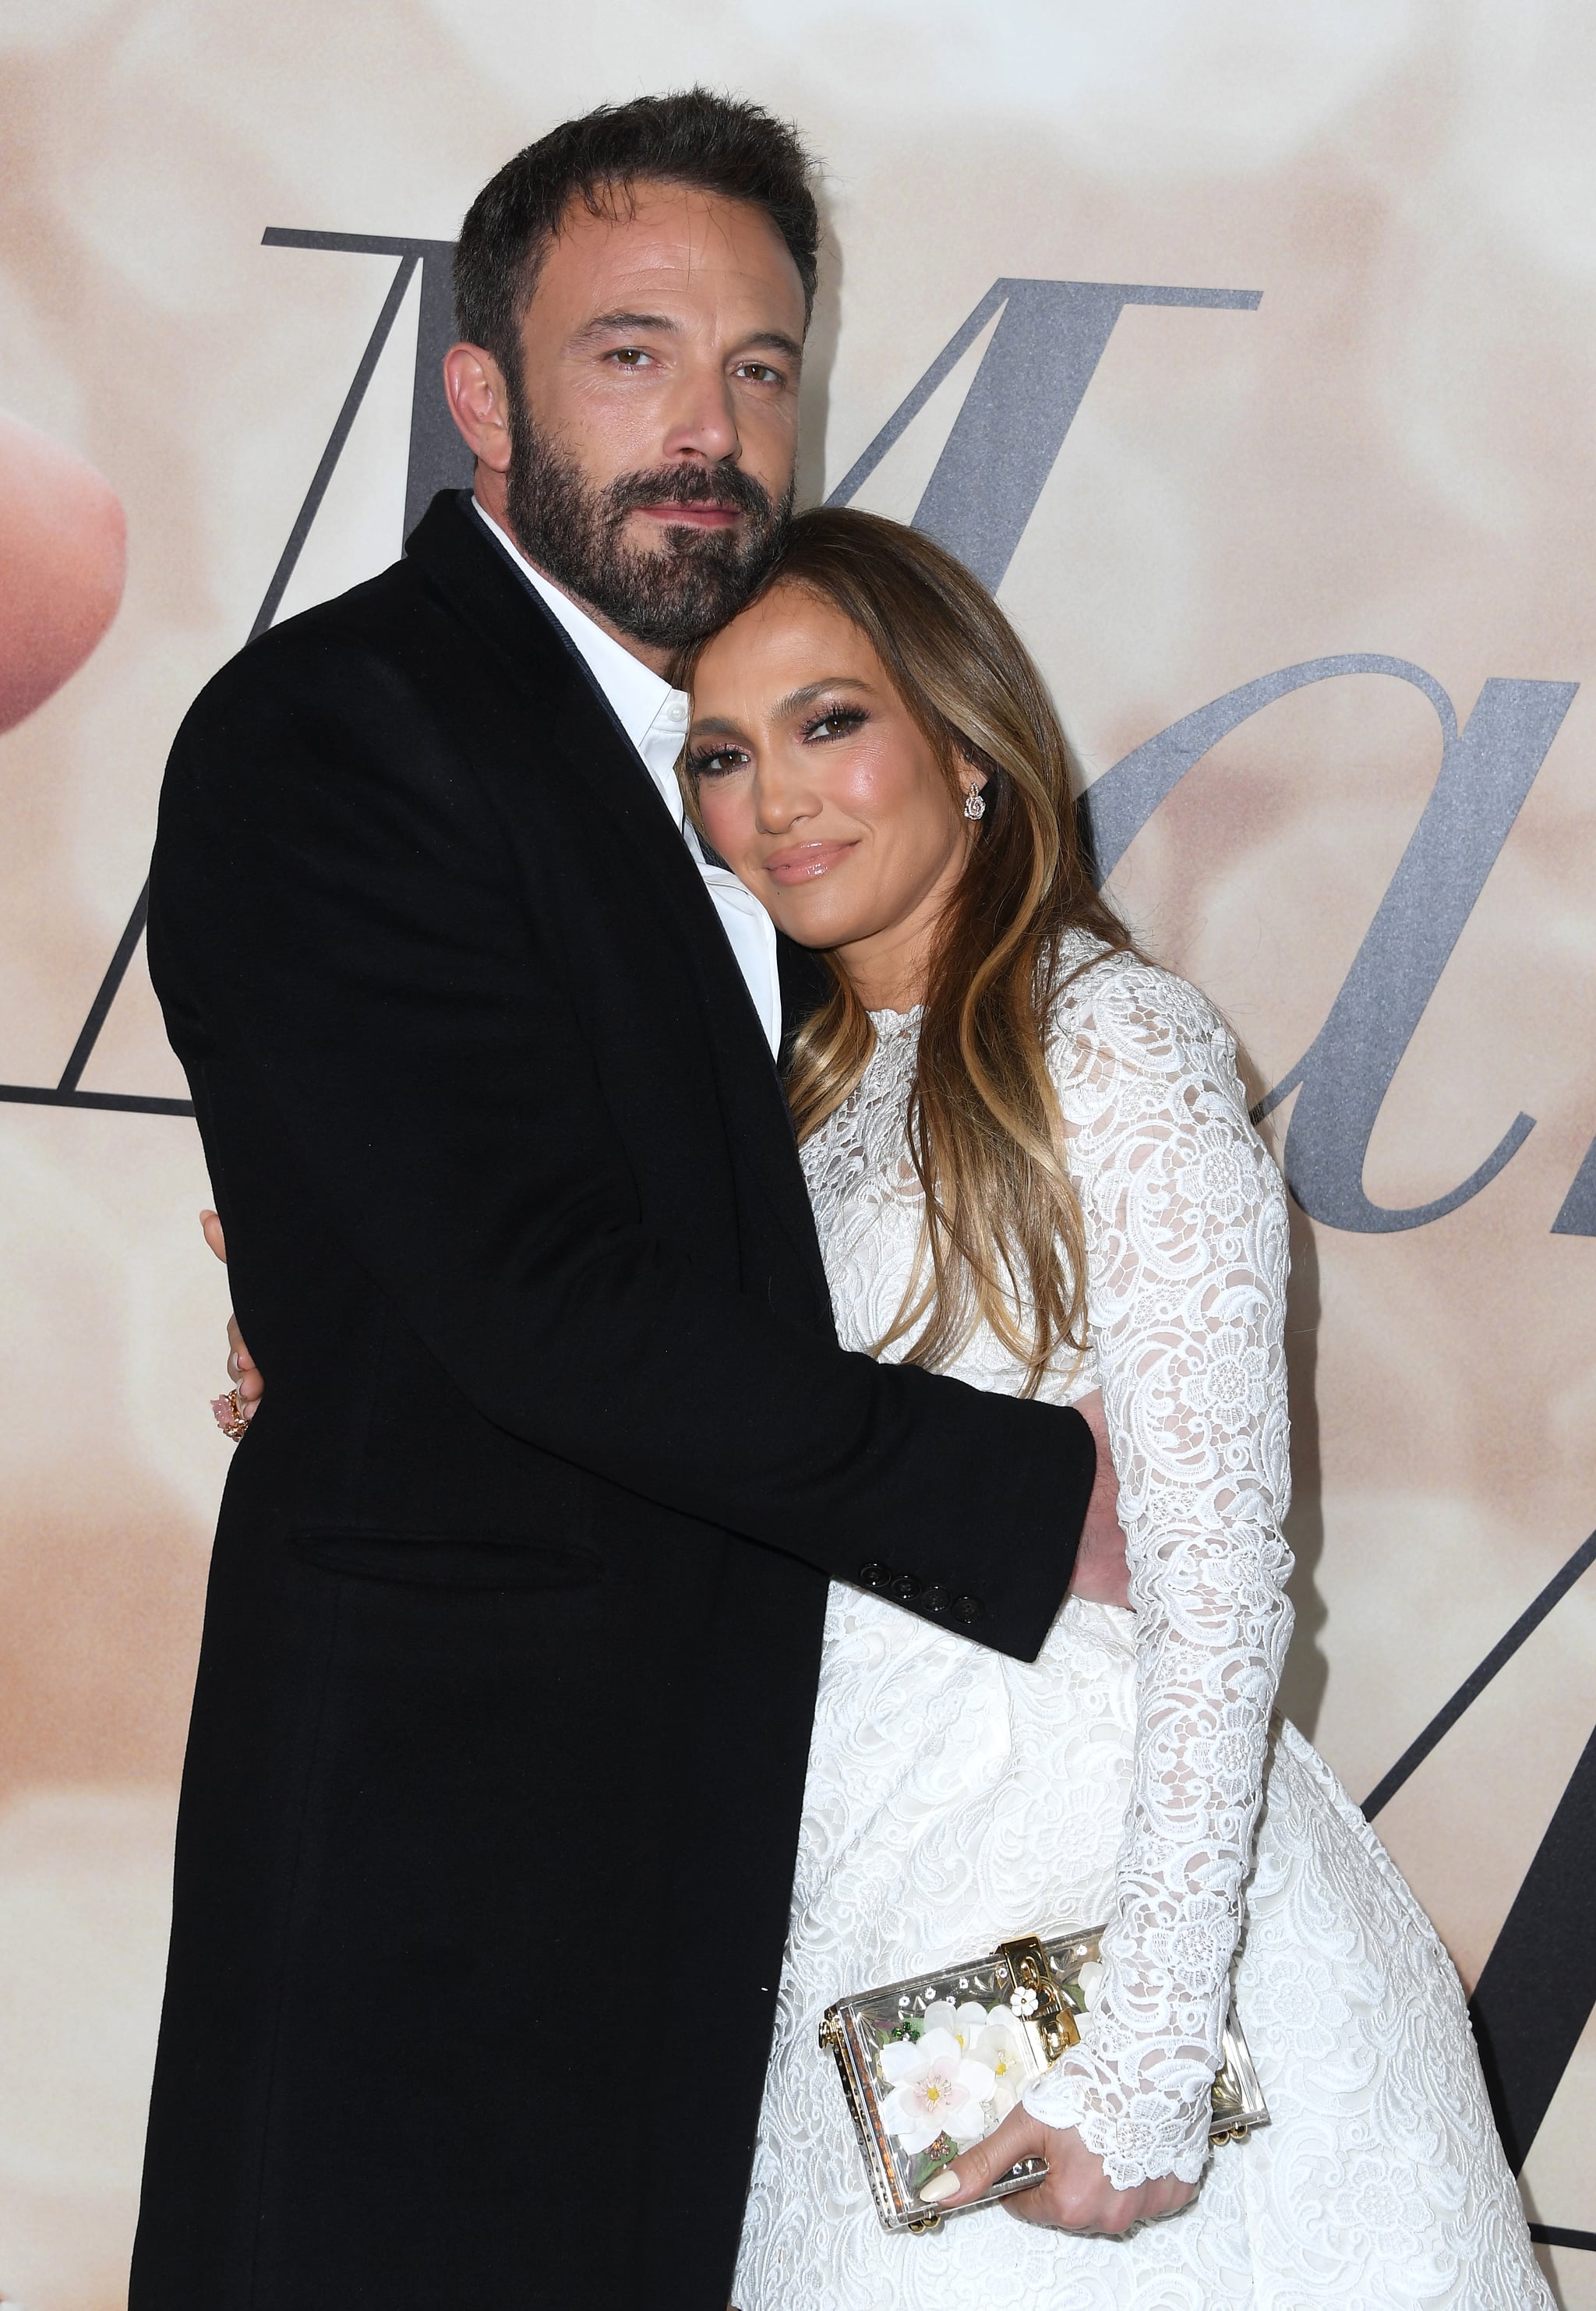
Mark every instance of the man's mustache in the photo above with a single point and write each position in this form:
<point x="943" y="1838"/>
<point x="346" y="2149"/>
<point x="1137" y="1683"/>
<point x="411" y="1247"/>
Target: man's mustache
<point x="724" y="485"/>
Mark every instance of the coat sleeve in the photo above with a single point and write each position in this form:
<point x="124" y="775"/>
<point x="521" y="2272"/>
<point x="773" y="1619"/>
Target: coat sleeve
<point x="333" y="902"/>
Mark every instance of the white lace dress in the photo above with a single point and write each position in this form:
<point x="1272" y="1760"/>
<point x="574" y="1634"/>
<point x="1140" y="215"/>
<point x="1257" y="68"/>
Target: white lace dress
<point x="955" y="1796"/>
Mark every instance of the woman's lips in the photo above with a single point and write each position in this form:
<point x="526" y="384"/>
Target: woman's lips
<point x="806" y="862"/>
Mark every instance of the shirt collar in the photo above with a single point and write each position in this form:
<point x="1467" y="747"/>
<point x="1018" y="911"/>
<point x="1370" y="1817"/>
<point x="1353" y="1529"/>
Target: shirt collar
<point x="654" y="717"/>
<point x="639" y="698"/>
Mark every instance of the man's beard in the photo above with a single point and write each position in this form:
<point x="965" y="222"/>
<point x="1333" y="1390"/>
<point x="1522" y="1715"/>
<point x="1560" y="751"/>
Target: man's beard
<point x="696" y="580"/>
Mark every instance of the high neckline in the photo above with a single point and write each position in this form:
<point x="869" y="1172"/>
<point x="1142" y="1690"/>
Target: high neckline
<point x="889" y="1024"/>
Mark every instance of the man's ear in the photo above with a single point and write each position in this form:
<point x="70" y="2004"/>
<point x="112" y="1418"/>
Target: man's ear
<point x="473" y="384"/>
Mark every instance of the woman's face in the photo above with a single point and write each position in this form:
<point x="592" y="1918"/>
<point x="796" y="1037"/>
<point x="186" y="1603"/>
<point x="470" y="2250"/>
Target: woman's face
<point x="820" y="790"/>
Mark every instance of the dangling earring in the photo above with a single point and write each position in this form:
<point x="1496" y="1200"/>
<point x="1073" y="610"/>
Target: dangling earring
<point x="975" y="803"/>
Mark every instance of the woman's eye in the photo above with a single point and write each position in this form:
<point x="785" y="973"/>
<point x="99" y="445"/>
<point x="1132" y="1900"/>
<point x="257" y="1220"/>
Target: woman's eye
<point x="714" y="765"/>
<point x="836" y="724"/>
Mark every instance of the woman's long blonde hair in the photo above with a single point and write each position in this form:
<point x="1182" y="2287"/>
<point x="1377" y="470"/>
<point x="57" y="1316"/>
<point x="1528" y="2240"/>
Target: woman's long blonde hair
<point x="1002" y="1239"/>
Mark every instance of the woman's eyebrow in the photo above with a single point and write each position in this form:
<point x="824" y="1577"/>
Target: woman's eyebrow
<point x="795" y="700"/>
<point x="793" y="703"/>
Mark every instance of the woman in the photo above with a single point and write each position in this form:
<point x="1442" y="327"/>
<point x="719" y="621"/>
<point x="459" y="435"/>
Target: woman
<point x="1032" y="1165"/>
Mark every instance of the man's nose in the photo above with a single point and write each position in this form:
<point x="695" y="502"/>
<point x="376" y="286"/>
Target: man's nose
<point x="702" y="422"/>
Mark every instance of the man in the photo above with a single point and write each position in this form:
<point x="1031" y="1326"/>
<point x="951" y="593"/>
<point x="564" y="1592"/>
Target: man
<point x="510" y="1654"/>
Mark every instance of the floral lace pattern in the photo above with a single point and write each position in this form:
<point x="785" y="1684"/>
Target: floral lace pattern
<point x="955" y="1796"/>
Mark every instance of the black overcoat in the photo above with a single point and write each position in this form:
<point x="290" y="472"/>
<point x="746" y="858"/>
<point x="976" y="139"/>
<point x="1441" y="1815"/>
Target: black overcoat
<point x="493" y="1787"/>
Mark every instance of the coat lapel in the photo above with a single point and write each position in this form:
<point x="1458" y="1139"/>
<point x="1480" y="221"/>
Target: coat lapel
<point x="574" y="720"/>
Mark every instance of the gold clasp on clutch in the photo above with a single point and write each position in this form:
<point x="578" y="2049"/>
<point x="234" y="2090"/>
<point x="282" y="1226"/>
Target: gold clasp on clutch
<point x="1034" y="1996"/>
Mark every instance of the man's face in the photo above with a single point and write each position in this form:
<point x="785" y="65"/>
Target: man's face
<point x="653" y="437"/>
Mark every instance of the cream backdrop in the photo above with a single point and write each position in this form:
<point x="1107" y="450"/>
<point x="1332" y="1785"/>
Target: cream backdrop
<point x="1387" y="453"/>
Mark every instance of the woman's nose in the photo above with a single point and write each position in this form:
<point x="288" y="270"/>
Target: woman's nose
<point x="779" y="800"/>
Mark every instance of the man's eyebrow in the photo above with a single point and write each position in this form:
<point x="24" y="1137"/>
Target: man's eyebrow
<point x="607" y="325"/>
<point x="776" y="341"/>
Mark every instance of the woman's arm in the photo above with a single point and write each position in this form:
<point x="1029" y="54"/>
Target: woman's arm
<point x="1186" y="1229"/>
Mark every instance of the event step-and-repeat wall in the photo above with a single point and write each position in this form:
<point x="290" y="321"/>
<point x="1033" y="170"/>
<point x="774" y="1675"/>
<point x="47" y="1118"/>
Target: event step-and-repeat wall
<point x="1250" y="353"/>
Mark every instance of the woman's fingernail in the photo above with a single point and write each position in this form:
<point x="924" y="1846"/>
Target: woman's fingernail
<point x="940" y="2187"/>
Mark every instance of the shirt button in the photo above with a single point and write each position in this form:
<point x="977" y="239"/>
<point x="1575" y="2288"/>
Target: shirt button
<point x="967" y="1609"/>
<point x="676" y="711"/>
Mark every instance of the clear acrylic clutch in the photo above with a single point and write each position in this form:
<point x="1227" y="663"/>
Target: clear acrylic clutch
<point x="931" y="2065"/>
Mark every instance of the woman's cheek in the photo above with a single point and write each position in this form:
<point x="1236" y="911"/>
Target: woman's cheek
<point x="728" y="822"/>
<point x="880" y="781"/>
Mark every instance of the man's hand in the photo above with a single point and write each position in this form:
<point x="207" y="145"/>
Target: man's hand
<point x="1074" y="2194"/>
<point x="241" y="1367"/>
<point x="1100" y="1575"/>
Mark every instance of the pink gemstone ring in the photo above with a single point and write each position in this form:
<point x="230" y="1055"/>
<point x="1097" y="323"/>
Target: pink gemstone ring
<point x="230" y="1417"/>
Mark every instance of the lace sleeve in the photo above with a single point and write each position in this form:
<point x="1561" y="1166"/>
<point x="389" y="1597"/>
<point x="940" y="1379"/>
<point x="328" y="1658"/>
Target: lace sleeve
<point x="1186" y="1233"/>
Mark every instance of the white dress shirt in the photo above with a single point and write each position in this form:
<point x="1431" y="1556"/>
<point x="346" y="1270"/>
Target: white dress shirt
<point x="654" y="719"/>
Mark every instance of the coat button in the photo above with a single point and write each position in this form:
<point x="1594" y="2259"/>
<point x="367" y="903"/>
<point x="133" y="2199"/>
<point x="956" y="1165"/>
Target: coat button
<point x="968" y="1608"/>
<point x="906" y="1589"/>
<point x="937" y="1598"/>
<point x="875" y="1576"/>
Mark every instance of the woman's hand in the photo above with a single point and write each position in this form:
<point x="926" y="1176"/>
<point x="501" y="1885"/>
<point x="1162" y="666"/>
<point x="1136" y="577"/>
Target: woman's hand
<point x="1074" y="2194"/>
<point x="242" y="1368"/>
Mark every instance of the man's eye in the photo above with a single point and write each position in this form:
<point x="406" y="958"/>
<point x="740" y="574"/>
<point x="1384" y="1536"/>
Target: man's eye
<point x="760" y="372"/>
<point x="712" y="763"/>
<point x="628" y="356"/>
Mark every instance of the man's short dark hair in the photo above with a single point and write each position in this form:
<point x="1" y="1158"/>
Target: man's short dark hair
<point x="713" y="143"/>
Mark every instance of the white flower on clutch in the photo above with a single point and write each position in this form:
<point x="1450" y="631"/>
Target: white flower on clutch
<point x="999" y="2047"/>
<point x="937" y="2089"/>
<point x="1023" y="2001"/>
<point x="965" y="2023"/>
